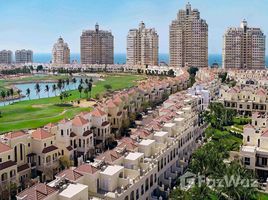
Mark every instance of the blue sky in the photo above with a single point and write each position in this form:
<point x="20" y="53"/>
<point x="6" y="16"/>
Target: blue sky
<point x="36" y="24"/>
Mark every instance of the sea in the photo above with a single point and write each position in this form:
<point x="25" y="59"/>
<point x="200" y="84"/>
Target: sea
<point x="120" y="58"/>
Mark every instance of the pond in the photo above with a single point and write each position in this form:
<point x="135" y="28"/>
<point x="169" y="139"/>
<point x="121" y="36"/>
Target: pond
<point x="43" y="94"/>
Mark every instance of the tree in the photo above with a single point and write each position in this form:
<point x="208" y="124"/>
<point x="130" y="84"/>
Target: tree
<point x="89" y="86"/>
<point x="0" y="113"/>
<point x="47" y="90"/>
<point x="54" y="88"/>
<point x="28" y="92"/>
<point x="37" y="89"/>
<point x="59" y="84"/>
<point x="86" y="91"/>
<point x="19" y="92"/>
<point x="236" y="189"/>
<point x="67" y="81"/>
<point x="171" y="72"/>
<point x="81" y="81"/>
<point x="3" y="95"/>
<point x="65" y="162"/>
<point x="107" y="86"/>
<point x="74" y="81"/>
<point x="39" y="68"/>
<point x="80" y="88"/>
<point x="11" y="91"/>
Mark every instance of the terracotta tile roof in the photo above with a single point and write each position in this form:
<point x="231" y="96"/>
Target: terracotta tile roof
<point x="7" y="164"/>
<point x="127" y="143"/>
<point x="23" y="167"/>
<point x="86" y="133"/>
<point x="4" y="147"/>
<point x="86" y="168"/>
<point x="110" y="104"/>
<point x="142" y="133"/>
<point x="98" y="113"/>
<point x="72" y="134"/>
<point x="15" y="134"/>
<point x="49" y="149"/>
<point x="109" y="156"/>
<point x="38" y="191"/>
<point x="41" y="134"/>
<point x="70" y="174"/>
<point x="79" y="121"/>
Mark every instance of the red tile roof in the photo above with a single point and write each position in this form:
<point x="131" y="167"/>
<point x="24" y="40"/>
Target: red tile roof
<point x="38" y="191"/>
<point x="86" y="168"/>
<point x="4" y="147"/>
<point x="79" y="121"/>
<point x="41" y="134"/>
<point x="70" y="174"/>
<point x="16" y="134"/>
<point x="109" y="156"/>
<point x="127" y="143"/>
<point x="98" y="113"/>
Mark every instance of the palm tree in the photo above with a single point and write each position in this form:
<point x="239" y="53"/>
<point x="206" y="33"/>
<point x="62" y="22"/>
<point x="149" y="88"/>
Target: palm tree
<point x="68" y="83"/>
<point x="37" y="89"/>
<point x="28" y="92"/>
<point x="86" y="92"/>
<point x="59" y="84"/>
<point x="91" y="80"/>
<point x="54" y="89"/>
<point x="89" y="85"/>
<point x="8" y="94"/>
<point x="81" y="81"/>
<point x="80" y="88"/>
<point x="11" y="90"/>
<point x="74" y="81"/>
<point x="47" y="90"/>
<point x="19" y="92"/>
<point x="3" y="95"/>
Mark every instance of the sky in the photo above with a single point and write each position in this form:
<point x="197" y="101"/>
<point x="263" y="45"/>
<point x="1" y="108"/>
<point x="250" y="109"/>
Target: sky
<point x="37" y="24"/>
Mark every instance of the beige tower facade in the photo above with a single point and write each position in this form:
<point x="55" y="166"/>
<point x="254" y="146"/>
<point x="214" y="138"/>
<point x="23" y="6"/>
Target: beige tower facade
<point x="243" y="47"/>
<point x="24" y="56"/>
<point x="60" y="52"/>
<point x="6" y="56"/>
<point x="188" y="39"/>
<point x="97" y="46"/>
<point x="142" y="46"/>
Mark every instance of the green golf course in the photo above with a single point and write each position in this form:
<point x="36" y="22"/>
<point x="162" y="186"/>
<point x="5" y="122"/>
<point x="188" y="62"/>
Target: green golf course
<point x="36" y="113"/>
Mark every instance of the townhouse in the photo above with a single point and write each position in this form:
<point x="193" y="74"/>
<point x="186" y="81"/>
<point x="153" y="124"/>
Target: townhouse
<point x="254" y="151"/>
<point x="244" y="99"/>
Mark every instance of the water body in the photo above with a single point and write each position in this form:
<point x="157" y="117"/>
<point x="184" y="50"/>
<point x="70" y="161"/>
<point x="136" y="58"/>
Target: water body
<point x="33" y="95"/>
<point x="121" y="58"/>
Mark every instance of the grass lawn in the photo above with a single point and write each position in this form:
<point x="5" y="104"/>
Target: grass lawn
<point x="36" y="113"/>
<point x="262" y="196"/>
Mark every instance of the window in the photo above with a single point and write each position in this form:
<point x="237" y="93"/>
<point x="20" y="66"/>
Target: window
<point x="259" y="142"/>
<point x="0" y="160"/>
<point x="29" y="144"/>
<point x="51" y="142"/>
<point x="61" y="132"/>
<point x="264" y="161"/>
<point x="45" y="144"/>
<point x="8" y="157"/>
<point x="142" y="189"/>
<point x="62" y="152"/>
<point x="137" y="194"/>
<point x="247" y="161"/>
<point x="248" y="138"/>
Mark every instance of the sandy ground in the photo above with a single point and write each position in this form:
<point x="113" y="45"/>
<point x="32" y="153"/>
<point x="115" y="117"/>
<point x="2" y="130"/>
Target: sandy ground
<point x="85" y="104"/>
